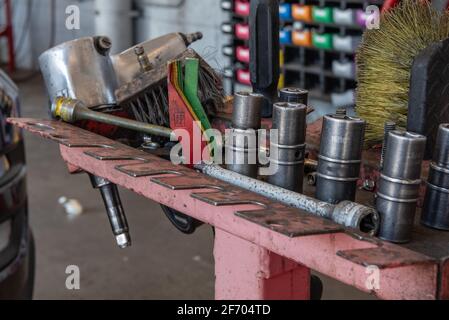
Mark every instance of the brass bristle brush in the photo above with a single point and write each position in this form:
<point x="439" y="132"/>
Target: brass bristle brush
<point x="386" y="62"/>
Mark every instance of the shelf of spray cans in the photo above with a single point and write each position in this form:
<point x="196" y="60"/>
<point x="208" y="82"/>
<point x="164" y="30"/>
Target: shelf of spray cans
<point x="318" y="40"/>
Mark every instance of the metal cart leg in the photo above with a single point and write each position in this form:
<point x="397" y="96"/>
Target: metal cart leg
<point x="245" y="271"/>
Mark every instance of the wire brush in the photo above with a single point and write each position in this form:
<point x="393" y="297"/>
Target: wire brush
<point x="385" y="59"/>
<point x="151" y="105"/>
<point x="148" y="100"/>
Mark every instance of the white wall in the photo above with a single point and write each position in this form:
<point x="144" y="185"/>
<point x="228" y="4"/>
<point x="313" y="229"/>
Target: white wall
<point x="37" y="32"/>
<point x="196" y="15"/>
<point x="155" y="19"/>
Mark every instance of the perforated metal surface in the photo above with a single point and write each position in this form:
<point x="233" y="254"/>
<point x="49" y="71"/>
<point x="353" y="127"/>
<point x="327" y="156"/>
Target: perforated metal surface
<point x="312" y="241"/>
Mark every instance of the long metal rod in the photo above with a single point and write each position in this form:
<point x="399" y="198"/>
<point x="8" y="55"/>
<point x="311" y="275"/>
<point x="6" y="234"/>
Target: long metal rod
<point x="70" y="110"/>
<point x="124" y="123"/>
<point x="346" y="213"/>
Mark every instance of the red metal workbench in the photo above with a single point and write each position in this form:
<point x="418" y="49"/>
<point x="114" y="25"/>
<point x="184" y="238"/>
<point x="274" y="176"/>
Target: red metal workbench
<point x="263" y="250"/>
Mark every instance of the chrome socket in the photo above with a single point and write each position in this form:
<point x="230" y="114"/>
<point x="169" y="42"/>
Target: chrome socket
<point x="294" y="95"/>
<point x="340" y="158"/>
<point x="247" y="112"/>
<point x="241" y="154"/>
<point x="398" y="191"/>
<point x="287" y="154"/>
<point x="435" y="213"/>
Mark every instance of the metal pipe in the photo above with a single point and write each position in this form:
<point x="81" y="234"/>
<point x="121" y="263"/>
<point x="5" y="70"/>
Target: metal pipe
<point x="346" y="213"/>
<point x="340" y="158"/>
<point x="70" y="110"/>
<point x="399" y="184"/>
<point x="435" y="213"/>
<point x="287" y="154"/>
<point x="241" y="140"/>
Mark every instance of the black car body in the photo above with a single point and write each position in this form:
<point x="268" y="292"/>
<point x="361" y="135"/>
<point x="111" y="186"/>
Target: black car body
<point x="17" y="254"/>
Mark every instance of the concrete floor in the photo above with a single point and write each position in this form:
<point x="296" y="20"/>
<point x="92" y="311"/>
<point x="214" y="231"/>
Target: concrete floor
<point x="161" y="264"/>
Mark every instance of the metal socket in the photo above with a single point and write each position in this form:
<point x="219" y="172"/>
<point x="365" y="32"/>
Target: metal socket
<point x="399" y="183"/>
<point x="294" y="95"/>
<point x="242" y="139"/>
<point x="288" y="153"/>
<point x="247" y="113"/>
<point x="242" y="152"/>
<point x="340" y="158"/>
<point x="435" y="213"/>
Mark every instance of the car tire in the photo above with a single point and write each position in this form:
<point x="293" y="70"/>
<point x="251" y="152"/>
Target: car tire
<point x="29" y="287"/>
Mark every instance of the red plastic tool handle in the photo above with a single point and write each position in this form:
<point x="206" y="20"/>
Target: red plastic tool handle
<point x="388" y="4"/>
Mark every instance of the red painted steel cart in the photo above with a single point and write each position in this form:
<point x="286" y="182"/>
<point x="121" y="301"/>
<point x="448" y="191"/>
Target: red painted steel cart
<point x="263" y="250"/>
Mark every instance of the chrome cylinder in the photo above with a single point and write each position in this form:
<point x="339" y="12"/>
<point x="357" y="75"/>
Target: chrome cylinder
<point x="435" y="213"/>
<point x="241" y="140"/>
<point x="247" y="111"/>
<point x="339" y="158"/>
<point x="242" y="152"/>
<point x="294" y="95"/>
<point x="287" y="154"/>
<point x="398" y="190"/>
